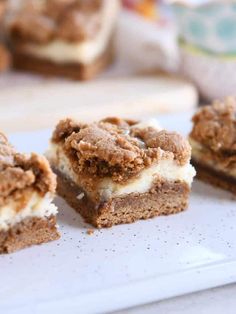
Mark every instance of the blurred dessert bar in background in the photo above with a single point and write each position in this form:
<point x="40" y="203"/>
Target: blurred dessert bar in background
<point x="3" y="4"/>
<point x="71" y="38"/>
<point x="5" y="58"/>
<point x="27" y="188"/>
<point x="213" y="141"/>
<point x="4" y="54"/>
<point x="117" y="171"/>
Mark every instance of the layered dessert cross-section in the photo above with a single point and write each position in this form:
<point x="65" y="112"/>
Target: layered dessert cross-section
<point x="117" y="171"/>
<point x="213" y="141"/>
<point x="27" y="188"/>
<point x="71" y="38"/>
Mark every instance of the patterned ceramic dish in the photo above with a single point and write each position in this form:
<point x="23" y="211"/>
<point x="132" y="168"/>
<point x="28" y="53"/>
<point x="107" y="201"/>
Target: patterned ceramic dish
<point x="209" y="25"/>
<point x="207" y="34"/>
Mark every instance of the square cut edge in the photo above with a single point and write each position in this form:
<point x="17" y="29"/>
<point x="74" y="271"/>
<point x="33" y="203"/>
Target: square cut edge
<point x="160" y="187"/>
<point x="164" y="198"/>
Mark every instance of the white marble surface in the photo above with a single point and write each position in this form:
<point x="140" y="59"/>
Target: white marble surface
<point x="217" y="301"/>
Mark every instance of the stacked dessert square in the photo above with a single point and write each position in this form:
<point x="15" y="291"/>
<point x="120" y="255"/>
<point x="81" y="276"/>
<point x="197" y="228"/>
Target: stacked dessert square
<point x="27" y="188"/>
<point x="72" y="38"/>
<point x="213" y="141"/>
<point x="118" y="171"/>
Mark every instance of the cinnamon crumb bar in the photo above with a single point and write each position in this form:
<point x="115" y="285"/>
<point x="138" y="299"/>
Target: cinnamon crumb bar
<point x="118" y="171"/>
<point x="71" y="38"/>
<point x="27" y="188"/>
<point x="213" y="141"/>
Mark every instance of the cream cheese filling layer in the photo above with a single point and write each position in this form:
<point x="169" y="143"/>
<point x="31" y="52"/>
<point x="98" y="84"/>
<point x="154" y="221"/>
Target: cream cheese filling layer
<point x="199" y="154"/>
<point x="37" y="206"/>
<point x="85" y="52"/>
<point x="166" y="169"/>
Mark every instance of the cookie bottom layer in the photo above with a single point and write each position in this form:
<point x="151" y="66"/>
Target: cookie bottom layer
<point x="29" y="232"/>
<point x="163" y="199"/>
<point x="77" y="71"/>
<point x="214" y="177"/>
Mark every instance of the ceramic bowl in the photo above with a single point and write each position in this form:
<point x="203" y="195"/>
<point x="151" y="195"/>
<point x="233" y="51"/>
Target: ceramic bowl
<point x="214" y="76"/>
<point x="210" y="26"/>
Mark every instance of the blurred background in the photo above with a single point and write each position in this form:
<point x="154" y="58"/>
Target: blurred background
<point x="92" y="58"/>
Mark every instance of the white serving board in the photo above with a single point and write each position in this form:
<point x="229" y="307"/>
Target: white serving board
<point x="126" y="265"/>
<point x="39" y="105"/>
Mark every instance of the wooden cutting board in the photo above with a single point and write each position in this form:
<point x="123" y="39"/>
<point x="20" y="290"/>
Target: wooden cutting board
<point x="41" y="105"/>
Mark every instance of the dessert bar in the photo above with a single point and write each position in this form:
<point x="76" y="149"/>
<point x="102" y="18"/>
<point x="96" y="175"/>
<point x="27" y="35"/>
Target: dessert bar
<point x="213" y="141"/>
<point x="118" y="171"/>
<point x="70" y="38"/>
<point x="27" y="188"/>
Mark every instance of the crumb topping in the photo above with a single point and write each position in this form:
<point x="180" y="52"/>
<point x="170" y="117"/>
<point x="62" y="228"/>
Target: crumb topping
<point x="32" y="27"/>
<point x="19" y="173"/>
<point x="69" y="20"/>
<point x="167" y="141"/>
<point x="215" y="126"/>
<point x="117" y="149"/>
<point x="65" y="128"/>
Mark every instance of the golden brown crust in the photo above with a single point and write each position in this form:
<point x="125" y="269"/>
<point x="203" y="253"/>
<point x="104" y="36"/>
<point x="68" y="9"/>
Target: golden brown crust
<point x="28" y="232"/>
<point x="114" y="148"/>
<point x="70" y="20"/>
<point x="164" y="198"/>
<point x="215" y="126"/>
<point x="20" y="172"/>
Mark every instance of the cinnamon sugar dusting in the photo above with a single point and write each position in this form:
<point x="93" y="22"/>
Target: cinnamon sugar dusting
<point x="215" y="126"/>
<point x="19" y="173"/>
<point x="117" y="149"/>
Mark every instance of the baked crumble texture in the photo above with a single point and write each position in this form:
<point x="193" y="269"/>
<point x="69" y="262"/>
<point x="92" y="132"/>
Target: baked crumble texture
<point x="20" y="176"/>
<point x="20" y="173"/>
<point x="115" y="148"/>
<point x="214" y="128"/>
<point x="71" y="20"/>
<point x="118" y="150"/>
